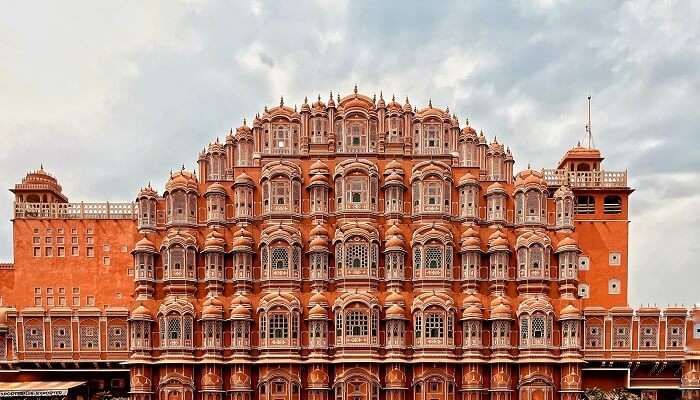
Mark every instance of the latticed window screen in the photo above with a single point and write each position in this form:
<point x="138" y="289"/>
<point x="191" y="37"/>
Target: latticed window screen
<point x="61" y="337"/>
<point x="33" y="338"/>
<point x="538" y="329"/>
<point x="280" y="258"/>
<point x="279" y="326"/>
<point x="524" y="327"/>
<point x="356" y="255"/>
<point x="434" y="326"/>
<point x="174" y="329"/>
<point x="416" y="257"/>
<point x="621" y="337"/>
<point x="675" y="335"/>
<point x="433" y="257"/>
<point x="263" y="256"/>
<point x="116" y="337"/>
<point x="594" y="336"/>
<point x="647" y="336"/>
<point x="296" y="258"/>
<point x="356" y="323"/>
<point x="89" y="337"/>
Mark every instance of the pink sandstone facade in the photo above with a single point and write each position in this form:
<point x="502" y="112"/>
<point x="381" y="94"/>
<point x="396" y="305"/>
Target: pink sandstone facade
<point x="353" y="249"/>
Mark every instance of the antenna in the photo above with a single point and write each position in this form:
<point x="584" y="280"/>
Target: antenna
<point x="589" y="132"/>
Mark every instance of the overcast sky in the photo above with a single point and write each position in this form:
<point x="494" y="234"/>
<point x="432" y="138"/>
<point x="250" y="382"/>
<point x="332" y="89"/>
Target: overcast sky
<point x="111" y="95"/>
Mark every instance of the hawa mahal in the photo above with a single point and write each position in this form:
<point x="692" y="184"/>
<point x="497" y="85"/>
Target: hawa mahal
<point x="352" y="249"/>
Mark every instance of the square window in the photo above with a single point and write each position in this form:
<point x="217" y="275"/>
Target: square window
<point x="61" y="290"/>
<point x="60" y="231"/>
<point x="48" y="251"/>
<point x="88" y="240"/>
<point x="49" y="301"/>
<point x="696" y="332"/>
<point x="74" y="251"/>
<point x="37" y="290"/>
<point x="36" y="240"/>
<point x="584" y="263"/>
<point x="73" y="231"/>
<point x="615" y="258"/>
<point x="91" y="252"/>
<point x="37" y="301"/>
<point x="48" y="240"/>
<point x="76" y="301"/>
<point x="59" y="240"/>
<point x="76" y="290"/>
<point x="89" y="231"/>
<point x="36" y="231"/>
<point x="106" y="248"/>
<point x="90" y="300"/>
<point x="61" y="251"/>
<point x="106" y="261"/>
<point x="74" y="240"/>
<point x="49" y="291"/>
<point x="49" y="231"/>
<point x="37" y="252"/>
<point x="125" y="249"/>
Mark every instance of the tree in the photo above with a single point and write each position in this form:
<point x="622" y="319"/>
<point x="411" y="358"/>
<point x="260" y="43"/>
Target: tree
<point x="615" y="394"/>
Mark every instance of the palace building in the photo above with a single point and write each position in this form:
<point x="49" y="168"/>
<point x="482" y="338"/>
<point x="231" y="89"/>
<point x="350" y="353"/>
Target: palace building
<point x="352" y="249"/>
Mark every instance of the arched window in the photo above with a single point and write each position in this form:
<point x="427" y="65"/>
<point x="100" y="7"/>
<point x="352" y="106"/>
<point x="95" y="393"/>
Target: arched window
<point x="431" y="188"/>
<point x="356" y="186"/>
<point x="614" y="286"/>
<point x="433" y="252"/>
<point x="281" y="184"/>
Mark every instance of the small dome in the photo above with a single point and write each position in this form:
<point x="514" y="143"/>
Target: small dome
<point x="244" y="179"/>
<point x="318" y="312"/>
<point x="240" y="312"/>
<point x="318" y="299"/>
<point x="319" y="165"/>
<point x="141" y="313"/>
<point x="319" y="230"/>
<point x="407" y="107"/>
<point x="467" y="179"/>
<point x="145" y="245"/>
<point x="241" y="300"/>
<point x="394" y="298"/>
<point x="530" y="177"/>
<point x="319" y="179"/>
<point x="147" y="192"/>
<point x="214" y="242"/>
<point x="472" y="312"/>
<point x="393" y="179"/>
<point x="472" y="299"/>
<point x="211" y="311"/>
<point x="216" y="188"/>
<point x="501" y="311"/>
<point x="393" y="165"/>
<point x="182" y="180"/>
<point x="570" y="312"/>
<point x="393" y="230"/>
<point x="394" y="243"/>
<point x="495" y="188"/>
<point x="318" y="243"/>
<point x="567" y="244"/>
<point x="395" y="312"/>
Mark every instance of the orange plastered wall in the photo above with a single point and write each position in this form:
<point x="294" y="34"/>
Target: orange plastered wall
<point x="109" y="284"/>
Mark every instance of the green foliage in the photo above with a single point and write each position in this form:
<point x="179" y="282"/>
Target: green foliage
<point x="615" y="394"/>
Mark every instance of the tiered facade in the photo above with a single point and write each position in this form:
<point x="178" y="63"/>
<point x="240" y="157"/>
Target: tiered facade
<point x="347" y="250"/>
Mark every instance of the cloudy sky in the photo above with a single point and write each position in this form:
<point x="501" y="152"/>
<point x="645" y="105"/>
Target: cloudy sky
<point x="111" y="95"/>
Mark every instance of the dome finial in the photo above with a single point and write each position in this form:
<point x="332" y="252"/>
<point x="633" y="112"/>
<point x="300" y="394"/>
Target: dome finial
<point x="244" y="121"/>
<point x="528" y="165"/>
<point x="337" y="95"/>
<point x="306" y="101"/>
<point x="430" y="103"/>
<point x="355" y="89"/>
<point x="393" y="98"/>
<point x="281" y="101"/>
<point x="381" y="95"/>
<point x="319" y="97"/>
<point x="183" y="167"/>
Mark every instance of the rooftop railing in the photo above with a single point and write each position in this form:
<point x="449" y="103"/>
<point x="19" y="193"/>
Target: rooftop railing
<point x="587" y="179"/>
<point x="81" y="210"/>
